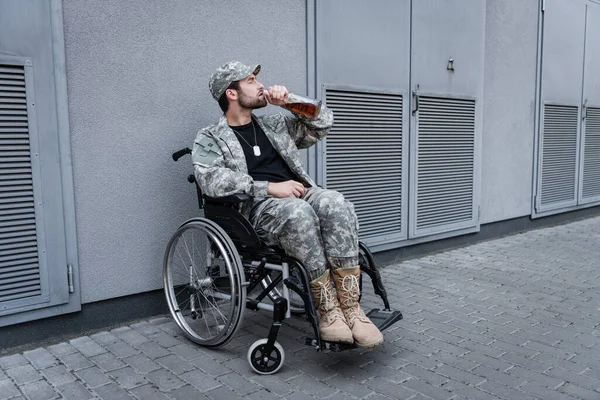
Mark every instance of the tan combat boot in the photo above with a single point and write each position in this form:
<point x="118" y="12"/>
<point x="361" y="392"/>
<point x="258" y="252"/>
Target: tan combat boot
<point x="365" y="333"/>
<point x="332" y="324"/>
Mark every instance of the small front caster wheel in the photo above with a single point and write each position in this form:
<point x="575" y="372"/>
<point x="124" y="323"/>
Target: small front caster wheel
<point x="263" y="363"/>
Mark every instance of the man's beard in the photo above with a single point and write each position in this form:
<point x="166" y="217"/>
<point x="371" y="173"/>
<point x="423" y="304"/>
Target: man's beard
<point x="251" y="102"/>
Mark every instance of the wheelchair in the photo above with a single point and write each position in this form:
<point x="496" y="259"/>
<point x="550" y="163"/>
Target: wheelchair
<point x="216" y="266"/>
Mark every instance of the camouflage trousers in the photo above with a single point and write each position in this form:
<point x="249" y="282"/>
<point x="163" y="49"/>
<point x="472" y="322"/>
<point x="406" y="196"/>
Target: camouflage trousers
<point x="320" y="229"/>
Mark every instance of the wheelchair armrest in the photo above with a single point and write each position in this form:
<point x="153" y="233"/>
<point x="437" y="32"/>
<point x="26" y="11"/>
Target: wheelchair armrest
<point x="231" y="199"/>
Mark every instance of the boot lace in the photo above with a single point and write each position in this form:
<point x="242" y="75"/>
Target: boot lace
<point x="328" y="304"/>
<point x="350" y="293"/>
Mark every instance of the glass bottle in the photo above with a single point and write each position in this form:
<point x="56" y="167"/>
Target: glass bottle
<point x="302" y="105"/>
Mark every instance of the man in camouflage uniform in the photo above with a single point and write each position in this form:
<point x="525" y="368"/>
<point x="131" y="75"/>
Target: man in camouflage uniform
<point x="259" y="156"/>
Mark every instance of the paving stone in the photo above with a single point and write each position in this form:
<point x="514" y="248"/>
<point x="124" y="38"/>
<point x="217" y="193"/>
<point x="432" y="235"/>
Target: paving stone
<point x="23" y="374"/>
<point x="312" y="386"/>
<point x="153" y="350"/>
<point x="211" y="367"/>
<point x="164" y="339"/>
<point x="12" y="361"/>
<point x="87" y="346"/>
<point x="62" y="349"/>
<point x="112" y="391"/>
<point x="104" y="338"/>
<point x="543" y="392"/>
<point x="141" y="363"/>
<point x="39" y="390"/>
<point x="535" y="376"/>
<point x="75" y="361"/>
<point x="187" y="351"/>
<point x="7" y="389"/>
<point x="458" y="374"/>
<point x="200" y="380"/>
<point x="165" y="380"/>
<point x="388" y="388"/>
<point x="41" y="358"/>
<point x="128" y="378"/>
<point x="427" y="389"/>
<point x="107" y="361"/>
<point x="147" y="392"/>
<point x="146" y="328"/>
<point x="93" y="377"/>
<point x="580" y="392"/>
<point x="503" y="391"/>
<point x="348" y="386"/>
<point x="469" y="392"/>
<point x="574" y="379"/>
<point x="75" y="391"/>
<point x="58" y="375"/>
<point x="239" y="384"/>
<point x="185" y="393"/>
<point x="131" y="336"/>
<point x="274" y="383"/>
<point x="121" y="349"/>
<point x="175" y="364"/>
<point x="224" y="393"/>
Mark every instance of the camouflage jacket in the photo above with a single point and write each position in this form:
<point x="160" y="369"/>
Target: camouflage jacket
<point x="220" y="165"/>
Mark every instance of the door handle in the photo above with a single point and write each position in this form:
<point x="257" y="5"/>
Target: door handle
<point x="584" y="110"/>
<point x="415" y="94"/>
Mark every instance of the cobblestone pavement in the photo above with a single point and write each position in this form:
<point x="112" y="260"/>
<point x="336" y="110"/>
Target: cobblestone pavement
<point x="513" y="318"/>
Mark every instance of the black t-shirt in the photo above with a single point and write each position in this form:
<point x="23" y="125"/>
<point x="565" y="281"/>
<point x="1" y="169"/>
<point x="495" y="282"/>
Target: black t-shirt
<point x="269" y="165"/>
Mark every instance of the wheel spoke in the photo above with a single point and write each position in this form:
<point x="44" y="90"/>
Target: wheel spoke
<point x="195" y="283"/>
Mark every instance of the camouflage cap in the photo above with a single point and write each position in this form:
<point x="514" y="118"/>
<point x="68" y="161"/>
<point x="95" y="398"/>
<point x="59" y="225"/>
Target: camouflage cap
<point x="230" y="72"/>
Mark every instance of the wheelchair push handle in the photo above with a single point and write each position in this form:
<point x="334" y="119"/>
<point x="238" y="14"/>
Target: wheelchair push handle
<point x="180" y="153"/>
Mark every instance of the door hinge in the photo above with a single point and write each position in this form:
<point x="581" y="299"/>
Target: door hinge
<point x="478" y="213"/>
<point x="70" y="278"/>
<point x="543" y="5"/>
<point x="535" y="203"/>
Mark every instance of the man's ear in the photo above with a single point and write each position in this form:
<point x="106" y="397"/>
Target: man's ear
<point x="231" y="94"/>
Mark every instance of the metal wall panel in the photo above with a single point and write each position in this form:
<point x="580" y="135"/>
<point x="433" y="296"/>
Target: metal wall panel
<point x="362" y="73"/>
<point x="559" y="155"/>
<point x="562" y="77"/>
<point x="33" y="276"/>
<point x="447" y="56"/>
<point x="589" y="188"/>
<point x="445" y="164"/>
<point x="364" y="159"/>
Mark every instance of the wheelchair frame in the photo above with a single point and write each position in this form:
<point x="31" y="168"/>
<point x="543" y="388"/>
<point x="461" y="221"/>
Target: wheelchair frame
<point x="250" y="264"/>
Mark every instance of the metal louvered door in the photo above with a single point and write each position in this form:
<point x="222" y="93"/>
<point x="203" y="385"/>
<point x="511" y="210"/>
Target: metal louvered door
<point x="364" y="159"/>
<point x="447" y="81"/>
<point x="562" y="76"/>
<point x="365" y="155"/>
<point x="589" y="187"/>
<point x="25" y="282"/>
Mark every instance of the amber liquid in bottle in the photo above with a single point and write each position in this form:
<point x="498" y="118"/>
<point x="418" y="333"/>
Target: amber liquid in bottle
<point x="303" y="105"/>
<point x="308" y="109"/>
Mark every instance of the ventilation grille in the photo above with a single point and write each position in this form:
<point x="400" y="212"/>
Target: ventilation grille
<point x="19" y="269"/>
<point x="364" y="157"/>
<point x="591" y="158"/>
<point x="559" y="154"/>
<point x="445" y="162"/>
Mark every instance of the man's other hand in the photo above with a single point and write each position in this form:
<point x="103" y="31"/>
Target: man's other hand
<point x="286" y="189"/>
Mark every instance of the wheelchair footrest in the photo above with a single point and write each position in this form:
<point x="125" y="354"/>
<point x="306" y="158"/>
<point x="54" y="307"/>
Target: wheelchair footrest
<point x="331" y="346"/>
<point x="383" y="319"/>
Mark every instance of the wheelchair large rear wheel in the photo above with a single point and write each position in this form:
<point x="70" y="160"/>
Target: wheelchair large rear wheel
<point x="204" y="282"/>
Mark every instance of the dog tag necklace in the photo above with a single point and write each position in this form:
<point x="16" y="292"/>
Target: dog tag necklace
<point x="255" y="148"/>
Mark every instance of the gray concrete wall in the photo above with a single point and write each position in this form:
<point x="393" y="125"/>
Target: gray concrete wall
<point x="509" y="109"/>
<point x="138" y="90"/>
